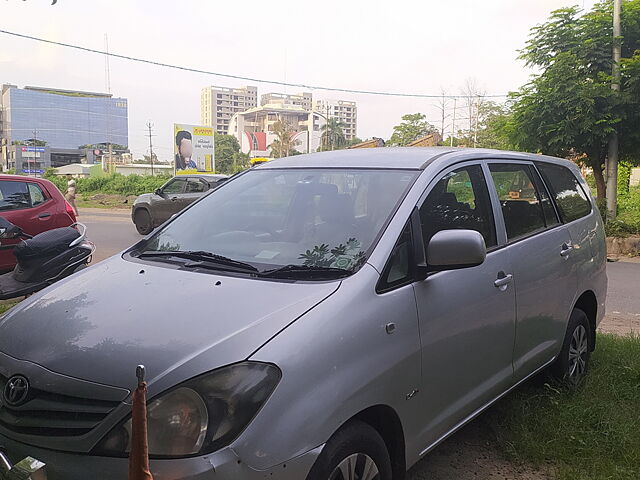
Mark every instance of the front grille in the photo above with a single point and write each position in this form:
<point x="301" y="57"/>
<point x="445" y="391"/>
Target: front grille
<point x="52" y="414"/>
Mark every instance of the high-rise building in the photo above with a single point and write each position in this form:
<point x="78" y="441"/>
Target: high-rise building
<point x="343" y="110"/>
<point x="219" y="104"/>
<point x="303" y="100"/>
<point x="64" y="119"/>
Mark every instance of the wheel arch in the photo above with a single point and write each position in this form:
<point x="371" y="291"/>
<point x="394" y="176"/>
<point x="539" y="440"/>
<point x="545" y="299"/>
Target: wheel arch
<point x="386" y="422"/>
<point x="588" y="303"/>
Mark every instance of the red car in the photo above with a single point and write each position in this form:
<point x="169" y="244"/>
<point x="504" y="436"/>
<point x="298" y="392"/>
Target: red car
<point x="33" y="204"/>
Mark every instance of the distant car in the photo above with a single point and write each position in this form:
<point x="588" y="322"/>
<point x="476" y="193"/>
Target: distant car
<point x="153" y="209"/>
<point x="33" y="204"/>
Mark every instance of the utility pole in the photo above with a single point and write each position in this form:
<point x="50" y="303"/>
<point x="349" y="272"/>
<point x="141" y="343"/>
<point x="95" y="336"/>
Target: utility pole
<point x="35" y="147"/>
<point x="150" y="126"/>
<point x="453" y="125"/>
<point x="612" y="156"/>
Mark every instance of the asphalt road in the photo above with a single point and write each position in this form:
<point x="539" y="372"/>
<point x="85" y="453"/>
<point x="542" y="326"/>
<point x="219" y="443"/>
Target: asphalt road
<point x="111" y="230"/>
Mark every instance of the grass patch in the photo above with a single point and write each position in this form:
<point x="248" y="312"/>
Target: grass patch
<point x="4" y="306"/>
<point x="592" y="433"/>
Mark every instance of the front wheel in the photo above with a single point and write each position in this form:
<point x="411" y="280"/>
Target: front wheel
<point x="356" y="451"/>
<point x="573" y="362"/>
<point x="142" y="219"/>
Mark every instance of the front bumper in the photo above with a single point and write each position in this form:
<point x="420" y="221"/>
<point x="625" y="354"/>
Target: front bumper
<point x="221" y="465"/>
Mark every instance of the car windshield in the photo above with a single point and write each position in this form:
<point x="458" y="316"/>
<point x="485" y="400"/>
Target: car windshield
<point x="273" y="218"/>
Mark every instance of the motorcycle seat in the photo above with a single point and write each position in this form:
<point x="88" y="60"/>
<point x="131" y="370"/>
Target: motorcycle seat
<point x="46" y="244"/>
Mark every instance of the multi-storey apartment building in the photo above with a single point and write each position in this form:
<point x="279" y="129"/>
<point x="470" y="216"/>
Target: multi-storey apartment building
<point x="219" y="104"/>
<point x="343" y="110"/>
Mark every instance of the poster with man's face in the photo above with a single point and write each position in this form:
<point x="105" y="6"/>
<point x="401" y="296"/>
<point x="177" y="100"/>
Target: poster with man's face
<point x="193" y="148"/>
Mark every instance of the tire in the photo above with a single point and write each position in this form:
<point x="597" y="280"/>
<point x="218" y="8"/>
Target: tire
<point x="142" y="219"/>
<point x="356" y="448"/>
<point x="573" y="362"/>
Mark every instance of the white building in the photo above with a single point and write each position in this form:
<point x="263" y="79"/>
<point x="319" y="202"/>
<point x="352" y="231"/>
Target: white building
<point x="303" y="100"/>
<point x="254" y="128"/>
<point x="219" y="104"/>
<point x="343" y="110"/>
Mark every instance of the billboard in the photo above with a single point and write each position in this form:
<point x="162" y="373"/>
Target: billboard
<point x="193" y="148"/>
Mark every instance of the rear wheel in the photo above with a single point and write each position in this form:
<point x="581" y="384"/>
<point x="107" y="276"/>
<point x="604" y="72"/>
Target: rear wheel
<point x="573" y="361"/>
<point x="355" y="452"/>
<point x="142" y="219"/>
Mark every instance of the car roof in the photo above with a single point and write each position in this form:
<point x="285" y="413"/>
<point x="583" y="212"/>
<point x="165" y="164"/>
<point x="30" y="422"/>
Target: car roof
<point x="205" y="176"/>
<point x="415" y="158"/>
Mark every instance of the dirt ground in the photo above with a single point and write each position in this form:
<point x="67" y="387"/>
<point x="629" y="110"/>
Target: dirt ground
<point x="471" y="454"/>
<point x="620" y="324"/>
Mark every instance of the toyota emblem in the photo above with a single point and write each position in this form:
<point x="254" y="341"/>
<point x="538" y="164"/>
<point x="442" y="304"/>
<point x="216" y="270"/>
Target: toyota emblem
<point x="16" y="391"/>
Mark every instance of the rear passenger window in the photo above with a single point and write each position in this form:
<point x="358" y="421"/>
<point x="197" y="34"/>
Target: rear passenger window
<point x="459" y="200"/>
<point x="571" y="199"/>
<point x="36" y="194"/>
<point x="14" y="195"/>
<point x="519" y="199"/>
<point x="194" y="186"/>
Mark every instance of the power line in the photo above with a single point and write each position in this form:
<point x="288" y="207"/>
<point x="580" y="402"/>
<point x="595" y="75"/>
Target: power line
<point x="239" y="77"/>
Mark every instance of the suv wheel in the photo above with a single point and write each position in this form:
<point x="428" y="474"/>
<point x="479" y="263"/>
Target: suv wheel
<point x="356" y="451"/>
<point x="573" y="362"/>
<point x="142" y="219"/>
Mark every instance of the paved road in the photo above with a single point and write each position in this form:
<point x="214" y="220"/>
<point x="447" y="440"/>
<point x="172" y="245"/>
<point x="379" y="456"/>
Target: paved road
<point x="111" y="230"/>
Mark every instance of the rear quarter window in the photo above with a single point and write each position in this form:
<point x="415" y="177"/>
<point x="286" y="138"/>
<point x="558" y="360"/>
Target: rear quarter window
<point x="571" y="199"/>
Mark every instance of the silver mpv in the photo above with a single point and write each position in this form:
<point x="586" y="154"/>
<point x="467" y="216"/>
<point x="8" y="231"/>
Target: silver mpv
<point x="324" y="317"/>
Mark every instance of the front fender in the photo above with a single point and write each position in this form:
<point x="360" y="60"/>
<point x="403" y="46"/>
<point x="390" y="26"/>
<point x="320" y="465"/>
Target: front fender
<point x="337" y="360"/>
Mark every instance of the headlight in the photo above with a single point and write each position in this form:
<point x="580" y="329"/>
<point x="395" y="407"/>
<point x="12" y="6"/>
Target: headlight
<point x="200" y="415"/>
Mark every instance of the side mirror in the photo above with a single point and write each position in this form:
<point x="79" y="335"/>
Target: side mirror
<point x="453" y="249"/>
<point x="159" y="192"/>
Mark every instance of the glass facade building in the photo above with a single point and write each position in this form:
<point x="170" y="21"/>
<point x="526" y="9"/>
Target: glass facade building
<point x="62" y="118"/>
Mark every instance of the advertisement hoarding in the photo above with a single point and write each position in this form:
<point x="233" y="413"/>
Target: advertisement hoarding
<point x="193" y="148"/>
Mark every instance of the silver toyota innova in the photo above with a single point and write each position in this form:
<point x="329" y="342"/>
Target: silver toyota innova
<point x="324" y="317"/>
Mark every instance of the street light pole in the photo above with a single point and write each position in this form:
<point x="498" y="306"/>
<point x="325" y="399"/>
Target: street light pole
<point x="612" y="156"/>
<point x="150" y="126"/>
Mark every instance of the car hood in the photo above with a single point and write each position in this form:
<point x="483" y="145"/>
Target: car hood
<point x="99" y="324"/>
<point x="144" y="198"/>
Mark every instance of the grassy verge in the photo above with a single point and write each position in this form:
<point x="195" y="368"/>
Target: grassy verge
<point x="592" y="433"/>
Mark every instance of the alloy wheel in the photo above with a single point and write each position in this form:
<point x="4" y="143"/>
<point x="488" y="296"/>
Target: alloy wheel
<point x="358" y="466"/>
<point x="578" y="353"/>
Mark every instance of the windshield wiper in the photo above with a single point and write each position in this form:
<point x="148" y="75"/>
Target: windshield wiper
<point x="305" y="271"/>
<point x="201" y="259"/>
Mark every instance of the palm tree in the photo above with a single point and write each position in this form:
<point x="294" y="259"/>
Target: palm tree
<point x="332" y="135"/>
<point x="283" y="145"/>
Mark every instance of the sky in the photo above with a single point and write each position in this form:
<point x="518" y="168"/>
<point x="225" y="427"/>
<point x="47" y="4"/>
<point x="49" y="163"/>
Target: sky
<point x="419" y="46"/>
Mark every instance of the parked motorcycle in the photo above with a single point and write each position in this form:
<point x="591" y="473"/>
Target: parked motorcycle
<point x="44" y="258"/>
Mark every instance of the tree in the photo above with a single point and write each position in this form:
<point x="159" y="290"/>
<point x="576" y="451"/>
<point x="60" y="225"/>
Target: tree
<point x="493" y="126"/>
<point x="332" y="137"/>
<point x="283" y="145"/>
<point x="413" y="126"/>
<point x="229" y="158"/>
<point x="31" y="142"/>
<point x="569" y="108"/>
<point x="353" y="141"/>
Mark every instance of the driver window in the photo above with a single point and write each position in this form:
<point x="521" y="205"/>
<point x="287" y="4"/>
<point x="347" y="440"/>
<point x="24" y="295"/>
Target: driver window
<point x="175" y="186"/>
<point x="460" y="200"/>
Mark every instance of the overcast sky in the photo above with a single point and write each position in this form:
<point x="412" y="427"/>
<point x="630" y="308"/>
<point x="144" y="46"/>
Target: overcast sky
<point x="415" y="46"/>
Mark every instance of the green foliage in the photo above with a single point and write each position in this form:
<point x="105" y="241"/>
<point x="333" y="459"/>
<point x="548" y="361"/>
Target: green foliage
<point x="624" y="175"/>
<point x="494" y="127"/>
<point x="30" y="142"/>
<point x="413" y="126"/>
<point x="115" y="183"/>
<point x="229" y="158"/>
<point x="332" y="137"/>
<point x="283" y="145"/>
<point x="628" y="220"/>
<point x="569" y="108"/>
<point x="589" y="433"/>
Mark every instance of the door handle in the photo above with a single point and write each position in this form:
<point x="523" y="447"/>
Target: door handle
<point x="566" y="249"/>
<point x="503" y="280"/>
<point x="44" y="215"/>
